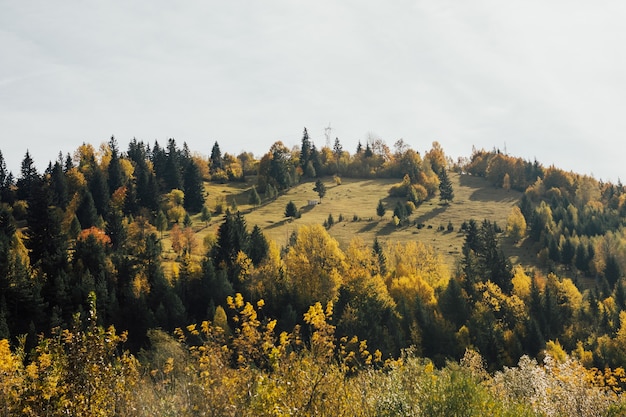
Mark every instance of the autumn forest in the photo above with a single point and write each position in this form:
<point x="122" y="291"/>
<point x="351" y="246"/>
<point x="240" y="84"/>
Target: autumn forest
<point x="130" y="286"/>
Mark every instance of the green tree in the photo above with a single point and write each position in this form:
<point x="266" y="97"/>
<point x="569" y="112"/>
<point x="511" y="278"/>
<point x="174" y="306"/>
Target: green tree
<point x="114" y="170"/>
<point x="205" y="215"/>
<point x="320" y="189"/>
<point x="337" y="152"/>
<point x="259" y="246"/>
<point x="194" y="188"/>
<point x="380" y="209"/>
<point x="446" y="193"/>
<point x="215" y="161"/>
<point x="253" y="197"/>
<point x="291" y="210"/>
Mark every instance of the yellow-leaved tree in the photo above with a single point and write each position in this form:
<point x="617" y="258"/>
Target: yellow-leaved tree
<point x="314" y="266"/>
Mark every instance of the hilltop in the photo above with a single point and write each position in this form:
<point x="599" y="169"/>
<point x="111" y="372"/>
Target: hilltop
<point x="355" y="201"/>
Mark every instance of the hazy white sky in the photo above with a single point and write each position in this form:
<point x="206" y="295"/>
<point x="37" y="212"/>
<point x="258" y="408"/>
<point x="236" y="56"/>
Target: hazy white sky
<point x="545" y="78"/>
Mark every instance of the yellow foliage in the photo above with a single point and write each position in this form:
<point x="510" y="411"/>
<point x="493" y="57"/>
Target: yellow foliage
<point x="554" y="349"/>
<point x="315" y="265"/>
<point x="418" y="259"/>
<point x="516" y="224"/>
<point x="412" y="286"/>
<point x="521" y="283"/>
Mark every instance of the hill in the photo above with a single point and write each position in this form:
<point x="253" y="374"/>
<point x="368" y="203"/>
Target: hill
<point x="355" y="201"/>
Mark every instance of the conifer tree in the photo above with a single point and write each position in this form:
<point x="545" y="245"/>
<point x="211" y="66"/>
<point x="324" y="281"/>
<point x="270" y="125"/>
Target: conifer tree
<point x="114" y="170"/>
<point x="215" y="161"/>
<point x="320" y="189"/>
<point x="194" y="188"/>
<point x="258" y="246"/>
<point x="446" y="193"/>
<point x="380" y="209"/>
<point x="291" y="210"/>
<point x="253" y="197"/>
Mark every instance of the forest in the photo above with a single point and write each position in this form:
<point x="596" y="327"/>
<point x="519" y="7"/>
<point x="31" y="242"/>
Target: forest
<point x="99" y="317"/>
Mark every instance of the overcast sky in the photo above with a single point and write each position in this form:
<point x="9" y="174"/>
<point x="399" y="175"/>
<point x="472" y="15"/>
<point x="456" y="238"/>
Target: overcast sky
<point x="546" y="79"/>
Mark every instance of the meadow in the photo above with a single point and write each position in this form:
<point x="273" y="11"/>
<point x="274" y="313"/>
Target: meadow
<point x="354" y="201"/>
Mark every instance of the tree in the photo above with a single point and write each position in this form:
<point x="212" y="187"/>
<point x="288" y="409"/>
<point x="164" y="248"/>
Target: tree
<point x="216" y="162"/>
<point x="305" y="152"/>
<point x="194" y="188"/>
<point x="314" y="265"/>
<point x="446" y="194"/>
<point x="114" y="170"/>
<point x="337" y="152"/>
<point x="516" y="224"/>
<point x="380" y="209"/>
<point x="291" y="210"/>
<point x="320" y="188"/>
<point x="27" y="178"/>
<point x="253" y="197"/>
<point x="205" y="215"/>
<point x="172" y="169"/>
<point x="279" y="166"/>
<point x="258" y="246"/>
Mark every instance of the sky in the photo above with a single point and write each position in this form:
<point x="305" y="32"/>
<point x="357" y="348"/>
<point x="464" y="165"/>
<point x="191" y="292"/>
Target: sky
<point x="542" y="80"/>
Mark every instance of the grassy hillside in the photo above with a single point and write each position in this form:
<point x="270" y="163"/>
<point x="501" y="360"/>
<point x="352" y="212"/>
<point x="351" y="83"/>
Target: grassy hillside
<point x="357" y="199"/>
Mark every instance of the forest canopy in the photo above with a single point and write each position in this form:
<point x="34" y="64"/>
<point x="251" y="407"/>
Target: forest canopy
<point x="82" y="256"/>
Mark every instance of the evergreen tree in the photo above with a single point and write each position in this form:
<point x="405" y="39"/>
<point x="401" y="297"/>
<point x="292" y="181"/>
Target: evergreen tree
<point x="27" y="179"/>
<point x="377" y="249"/>
<point x="59" y="186"/>
<point x="215" y="161"/>
<point x="114" y="170"/>
<point x="258" y="246"/>
<point x="6" y="181"/>
<point x="45" y="239"/>
<point x="253" y="197"/>
<point x="316" y="161"/>
<point x="337" y="152"/>
<point x="446" y="194"/>
<point x="99" y="190"/>
<point x="172" y="169"/>
<point x="291" y="210"/>
<point x="305" y="151"/>
<point x="86" y="211"/>
<point x="368" y="151"/>
<point x="320" y="189"/>
<point x="380" y="209"/>
<point x="232" y="237"/>
<point x="194" y="188"/>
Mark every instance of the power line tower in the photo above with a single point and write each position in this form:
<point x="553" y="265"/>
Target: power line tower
<point x="327" y="132"/>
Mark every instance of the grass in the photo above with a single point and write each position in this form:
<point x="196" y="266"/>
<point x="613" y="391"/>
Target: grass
<point x="474" y="198"/>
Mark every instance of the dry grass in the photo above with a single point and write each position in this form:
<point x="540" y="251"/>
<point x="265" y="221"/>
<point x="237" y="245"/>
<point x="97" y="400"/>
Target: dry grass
<point x="474" y="198"/>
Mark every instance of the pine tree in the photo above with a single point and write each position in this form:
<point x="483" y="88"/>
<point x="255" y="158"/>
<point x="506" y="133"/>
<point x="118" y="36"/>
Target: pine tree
<point x="291" y="210"/>
<point x="86" y="211"/>
<point x="99" y="191"/>
<point x="337" y="152"/>
<point x="114" y="170"/>
<point x="305" y="151"/>
<point x="377" y="249"/>
<point x="59" y="186"/>
<point x="446" y="194"/>
<point x="380" y="209"/>
<point x="320" y="189"/>
<point x="172" y="169"/>
<point x="258" y="246"/>
<point x="27" y="178"/>
<point x="253" y="197"/>
<point x="215" y="161"/>
<point x="194" y="188"/>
